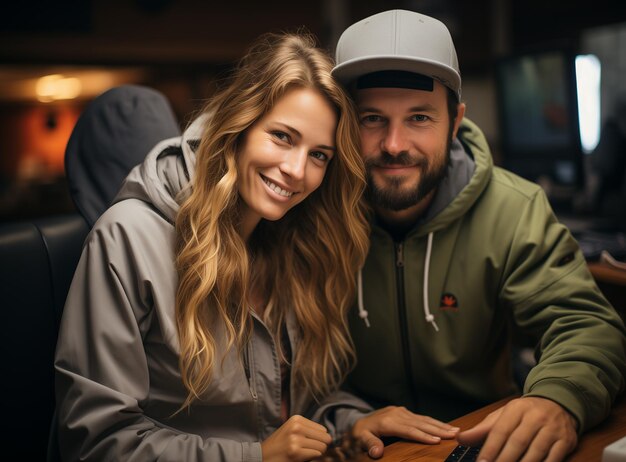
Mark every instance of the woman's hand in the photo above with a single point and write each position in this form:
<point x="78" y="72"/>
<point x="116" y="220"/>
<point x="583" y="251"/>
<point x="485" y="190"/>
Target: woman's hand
<point x="399" y="422"/>
<point x="298" y="439"/>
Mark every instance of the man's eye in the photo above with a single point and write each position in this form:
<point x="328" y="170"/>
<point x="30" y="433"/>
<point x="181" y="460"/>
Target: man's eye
<point x="319" y="155"/>
<point x="371" y="119"/>
<point x="419" y="118"/>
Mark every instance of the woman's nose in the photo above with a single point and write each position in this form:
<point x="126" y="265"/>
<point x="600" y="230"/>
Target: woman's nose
<point x="294" y="164"/>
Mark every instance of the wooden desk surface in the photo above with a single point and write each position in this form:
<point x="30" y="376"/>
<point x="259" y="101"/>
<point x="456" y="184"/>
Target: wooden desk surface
<point x="603" y="272"/>
<point x="589" y="448"/>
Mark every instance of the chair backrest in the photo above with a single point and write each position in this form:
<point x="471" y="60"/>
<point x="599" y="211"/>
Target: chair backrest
<point x="38" y="259"/>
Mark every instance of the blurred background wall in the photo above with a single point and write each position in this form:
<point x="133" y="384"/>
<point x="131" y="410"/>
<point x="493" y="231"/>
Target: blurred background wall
<point x="57" y="56"/>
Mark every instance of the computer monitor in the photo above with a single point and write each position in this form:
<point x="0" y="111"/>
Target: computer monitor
<point x="538" y="112"/>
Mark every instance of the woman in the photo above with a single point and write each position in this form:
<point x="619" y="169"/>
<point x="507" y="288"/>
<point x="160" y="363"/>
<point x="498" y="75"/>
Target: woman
<point x="206" y="318"/>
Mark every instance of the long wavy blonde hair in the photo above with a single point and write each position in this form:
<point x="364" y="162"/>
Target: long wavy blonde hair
<point x="304" y="262"/>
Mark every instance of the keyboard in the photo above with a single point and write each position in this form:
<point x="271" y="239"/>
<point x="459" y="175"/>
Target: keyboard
<point x="463" y="454"/>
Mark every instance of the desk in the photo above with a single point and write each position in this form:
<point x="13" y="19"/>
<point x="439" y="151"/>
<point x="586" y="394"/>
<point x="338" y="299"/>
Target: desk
<point x="589" y="449"/>
<point x="604" y="273"/>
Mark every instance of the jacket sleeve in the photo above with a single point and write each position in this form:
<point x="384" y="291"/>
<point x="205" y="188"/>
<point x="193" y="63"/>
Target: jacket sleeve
<point x="102" y="377"/>
<point x="581" y="349"/>
<point x="339" y="412"/>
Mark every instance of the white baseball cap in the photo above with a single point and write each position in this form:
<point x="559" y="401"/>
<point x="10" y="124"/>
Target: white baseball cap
<point x="398" y="40"/>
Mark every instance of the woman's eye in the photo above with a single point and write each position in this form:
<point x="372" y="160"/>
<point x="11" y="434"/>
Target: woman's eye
<point x="282" y="136"/>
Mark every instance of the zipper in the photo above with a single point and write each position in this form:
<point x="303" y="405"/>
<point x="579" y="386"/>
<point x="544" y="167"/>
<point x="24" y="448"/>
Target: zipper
<point x="404" y="326"/>
<point x="247" y="353"/>
<point x="399" y="254"/>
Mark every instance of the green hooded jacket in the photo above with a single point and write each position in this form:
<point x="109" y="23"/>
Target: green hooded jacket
<point x="498" y="264"/>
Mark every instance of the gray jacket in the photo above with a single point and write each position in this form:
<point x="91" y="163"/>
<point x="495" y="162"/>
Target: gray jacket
<point x="118" y="383"/>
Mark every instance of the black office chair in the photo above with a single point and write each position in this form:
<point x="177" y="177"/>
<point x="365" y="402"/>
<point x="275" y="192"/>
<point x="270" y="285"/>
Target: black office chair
<point x="38" y="258"/>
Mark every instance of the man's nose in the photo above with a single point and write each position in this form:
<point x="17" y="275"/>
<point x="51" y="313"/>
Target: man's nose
<point x="294" y="164"/>
<point x="395" y="140"/>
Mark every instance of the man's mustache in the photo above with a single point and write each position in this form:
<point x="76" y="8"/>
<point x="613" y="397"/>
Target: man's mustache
<point x="403" y="159"/>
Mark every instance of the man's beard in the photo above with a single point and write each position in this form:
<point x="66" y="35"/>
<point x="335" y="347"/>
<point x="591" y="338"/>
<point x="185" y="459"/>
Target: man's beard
<point x="391" y="196"/>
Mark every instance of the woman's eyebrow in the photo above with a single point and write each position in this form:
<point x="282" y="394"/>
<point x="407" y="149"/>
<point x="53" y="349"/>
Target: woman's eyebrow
<point x="289" y="128"/>
<point x="299" y="135"/>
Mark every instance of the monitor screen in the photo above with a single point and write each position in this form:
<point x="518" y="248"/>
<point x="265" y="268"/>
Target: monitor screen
<point x="539" y="116"/>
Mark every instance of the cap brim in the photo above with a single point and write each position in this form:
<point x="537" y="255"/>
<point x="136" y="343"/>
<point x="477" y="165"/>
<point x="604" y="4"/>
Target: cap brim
<point x="350" y="70"/>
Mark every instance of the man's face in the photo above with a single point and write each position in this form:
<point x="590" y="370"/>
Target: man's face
<point x="405" y="143"/>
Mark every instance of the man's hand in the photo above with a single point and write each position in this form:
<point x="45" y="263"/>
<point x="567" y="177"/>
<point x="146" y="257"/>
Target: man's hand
<point x="401" y="423"/>
<point x="527" y="429"/>
<point x="297" y="440"/>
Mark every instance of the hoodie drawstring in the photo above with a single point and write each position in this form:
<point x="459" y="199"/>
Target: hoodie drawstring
<point x="428" y="315"/>
<point x="362" y="312"/>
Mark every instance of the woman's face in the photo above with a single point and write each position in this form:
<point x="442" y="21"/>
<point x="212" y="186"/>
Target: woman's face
<point x="284" y="155"/>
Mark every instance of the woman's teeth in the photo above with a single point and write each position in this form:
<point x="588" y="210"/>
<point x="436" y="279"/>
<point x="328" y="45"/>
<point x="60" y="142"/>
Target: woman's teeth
<point x="277" y="189"/>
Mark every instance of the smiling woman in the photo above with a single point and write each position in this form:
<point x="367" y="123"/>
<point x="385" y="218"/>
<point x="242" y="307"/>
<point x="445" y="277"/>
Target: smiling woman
<point x="207" y="317"/>
<point x="284" y="155"/>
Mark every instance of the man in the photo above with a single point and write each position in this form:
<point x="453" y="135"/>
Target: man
<point x="462" y="253"/>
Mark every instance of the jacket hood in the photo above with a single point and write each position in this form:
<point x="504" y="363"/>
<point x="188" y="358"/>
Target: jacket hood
<point x="165" y="175"/>
<point x="469" y="172"/>
<point x="113" y="135"/>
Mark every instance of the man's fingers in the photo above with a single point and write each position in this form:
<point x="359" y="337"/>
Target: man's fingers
<point x="510" y="443"/>
<point x="559" y="451"/>
<point x="540" y="447"/>
<point x="548" y="446"/>
<point x="528" y="429"/>
<point x="476" y="435"/>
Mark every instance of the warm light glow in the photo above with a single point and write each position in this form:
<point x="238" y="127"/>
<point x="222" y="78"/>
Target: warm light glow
<point x="57" y="86"/>
<point x="588" y="92"/>
<point x="28" y="85"/>
<point x="41" y="133"/>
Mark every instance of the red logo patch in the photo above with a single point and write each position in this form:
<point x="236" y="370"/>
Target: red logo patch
<point x="448" y="302"/>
